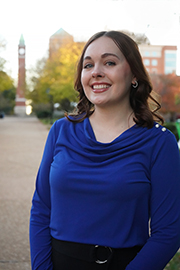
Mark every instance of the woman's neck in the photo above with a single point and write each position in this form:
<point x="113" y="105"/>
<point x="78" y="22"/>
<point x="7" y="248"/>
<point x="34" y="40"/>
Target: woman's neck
<point x="109" y="124"/>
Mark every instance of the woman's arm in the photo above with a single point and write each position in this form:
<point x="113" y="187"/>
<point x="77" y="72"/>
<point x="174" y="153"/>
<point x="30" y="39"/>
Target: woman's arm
<point x="40" y="238"/>
<point x="164" y="208"/>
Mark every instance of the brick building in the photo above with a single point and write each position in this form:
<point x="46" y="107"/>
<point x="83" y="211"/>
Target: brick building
<point x="159" y="59"/>
<point x="57" y="39"/>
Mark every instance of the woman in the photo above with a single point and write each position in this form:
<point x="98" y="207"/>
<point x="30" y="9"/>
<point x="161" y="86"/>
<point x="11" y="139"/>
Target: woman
<point x="108" y="171"/>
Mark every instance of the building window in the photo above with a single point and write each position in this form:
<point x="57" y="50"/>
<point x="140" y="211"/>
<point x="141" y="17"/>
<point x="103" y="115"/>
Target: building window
<point x="170" y="55"/>
<point x="146" y="53"/>
<point x="154" y="53"/>
<point x="146" y="62"/>
<point x="154" y="62"/>
<point x="170" y="62"/>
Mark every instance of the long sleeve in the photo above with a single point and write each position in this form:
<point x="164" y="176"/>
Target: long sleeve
<point x="40" y="238"/>
<point x="164" y="208"/>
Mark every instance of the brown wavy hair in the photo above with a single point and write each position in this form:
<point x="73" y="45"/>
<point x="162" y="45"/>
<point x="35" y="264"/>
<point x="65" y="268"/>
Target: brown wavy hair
<point x="140" y="97"/>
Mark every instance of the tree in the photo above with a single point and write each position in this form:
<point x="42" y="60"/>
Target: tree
<point x="2" y="60"/>
<point x="34" y="75"/>
<point x="168" y="87"/>
<point x="6" y="82"/>
<point x="139" y="38"/>
<point x="7" y="89"/>
<point x="55" y="76"/>
<point x="7" y="93"/>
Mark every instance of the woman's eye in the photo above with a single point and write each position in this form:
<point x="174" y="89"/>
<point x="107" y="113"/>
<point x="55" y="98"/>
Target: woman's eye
<point x="110" y="63"/>
<point x="88" y="66"/>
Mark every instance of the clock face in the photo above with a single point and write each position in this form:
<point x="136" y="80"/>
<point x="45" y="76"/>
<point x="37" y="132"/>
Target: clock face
<point x="21" y="51"/>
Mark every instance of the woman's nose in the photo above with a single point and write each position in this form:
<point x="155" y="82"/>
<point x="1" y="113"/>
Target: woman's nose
<point x="97" y="72"/>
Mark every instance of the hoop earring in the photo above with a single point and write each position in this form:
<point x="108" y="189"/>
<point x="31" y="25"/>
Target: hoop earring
<point x="135" y="85"/>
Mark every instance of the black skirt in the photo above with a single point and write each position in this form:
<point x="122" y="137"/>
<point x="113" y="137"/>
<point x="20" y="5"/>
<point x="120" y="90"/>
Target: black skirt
<point x="77" y="256"/>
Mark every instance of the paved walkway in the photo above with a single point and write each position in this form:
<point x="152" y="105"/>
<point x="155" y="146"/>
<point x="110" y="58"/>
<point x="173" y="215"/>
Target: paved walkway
<point x="21" y="145"/>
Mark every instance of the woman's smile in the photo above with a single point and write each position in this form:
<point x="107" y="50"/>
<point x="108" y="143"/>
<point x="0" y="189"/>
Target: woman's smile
<point x="99" y="88"/>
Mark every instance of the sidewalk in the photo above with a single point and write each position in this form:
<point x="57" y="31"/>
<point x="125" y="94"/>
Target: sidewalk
<point x="21" y="146"/>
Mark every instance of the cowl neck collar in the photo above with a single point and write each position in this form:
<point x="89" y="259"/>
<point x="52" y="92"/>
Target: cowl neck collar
<point x="89" y="133"/>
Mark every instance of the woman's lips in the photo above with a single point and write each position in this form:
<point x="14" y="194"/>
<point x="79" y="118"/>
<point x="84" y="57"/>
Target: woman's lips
<point x="99" y="88"/>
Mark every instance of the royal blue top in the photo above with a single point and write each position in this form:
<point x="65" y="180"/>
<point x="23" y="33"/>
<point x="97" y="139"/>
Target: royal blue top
<point x="106" y="193"/>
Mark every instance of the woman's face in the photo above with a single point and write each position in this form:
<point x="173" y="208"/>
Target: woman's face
<point x="106" y="76"/>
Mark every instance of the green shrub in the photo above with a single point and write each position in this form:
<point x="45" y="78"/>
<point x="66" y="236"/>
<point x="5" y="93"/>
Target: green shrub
<point x="172" y="127"/>
<point x="42" y="110"/>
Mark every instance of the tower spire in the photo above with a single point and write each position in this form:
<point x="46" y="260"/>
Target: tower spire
<point x="21" y="41"/>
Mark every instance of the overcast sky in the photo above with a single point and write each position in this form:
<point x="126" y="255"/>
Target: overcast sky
<point x="37" y="20"/>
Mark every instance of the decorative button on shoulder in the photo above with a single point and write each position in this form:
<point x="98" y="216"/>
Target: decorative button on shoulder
<point x="163" y="129"/>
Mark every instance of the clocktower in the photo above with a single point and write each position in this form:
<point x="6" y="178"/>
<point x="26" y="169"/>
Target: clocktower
<point x="20" y="107"/>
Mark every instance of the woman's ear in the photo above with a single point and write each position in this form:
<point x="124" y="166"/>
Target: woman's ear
<point x="134" y="80"/>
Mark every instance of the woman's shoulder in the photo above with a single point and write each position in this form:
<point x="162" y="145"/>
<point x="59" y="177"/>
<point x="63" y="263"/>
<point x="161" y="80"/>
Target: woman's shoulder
<point x="159" y="131"/>
<point x="65" y="124"/>
<point x="162" y="136"/>
<point x="61" y="121"/>
<point x="67" y="121"/>
<point x="156" y="136"/>
<point x="60" y="124"/>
